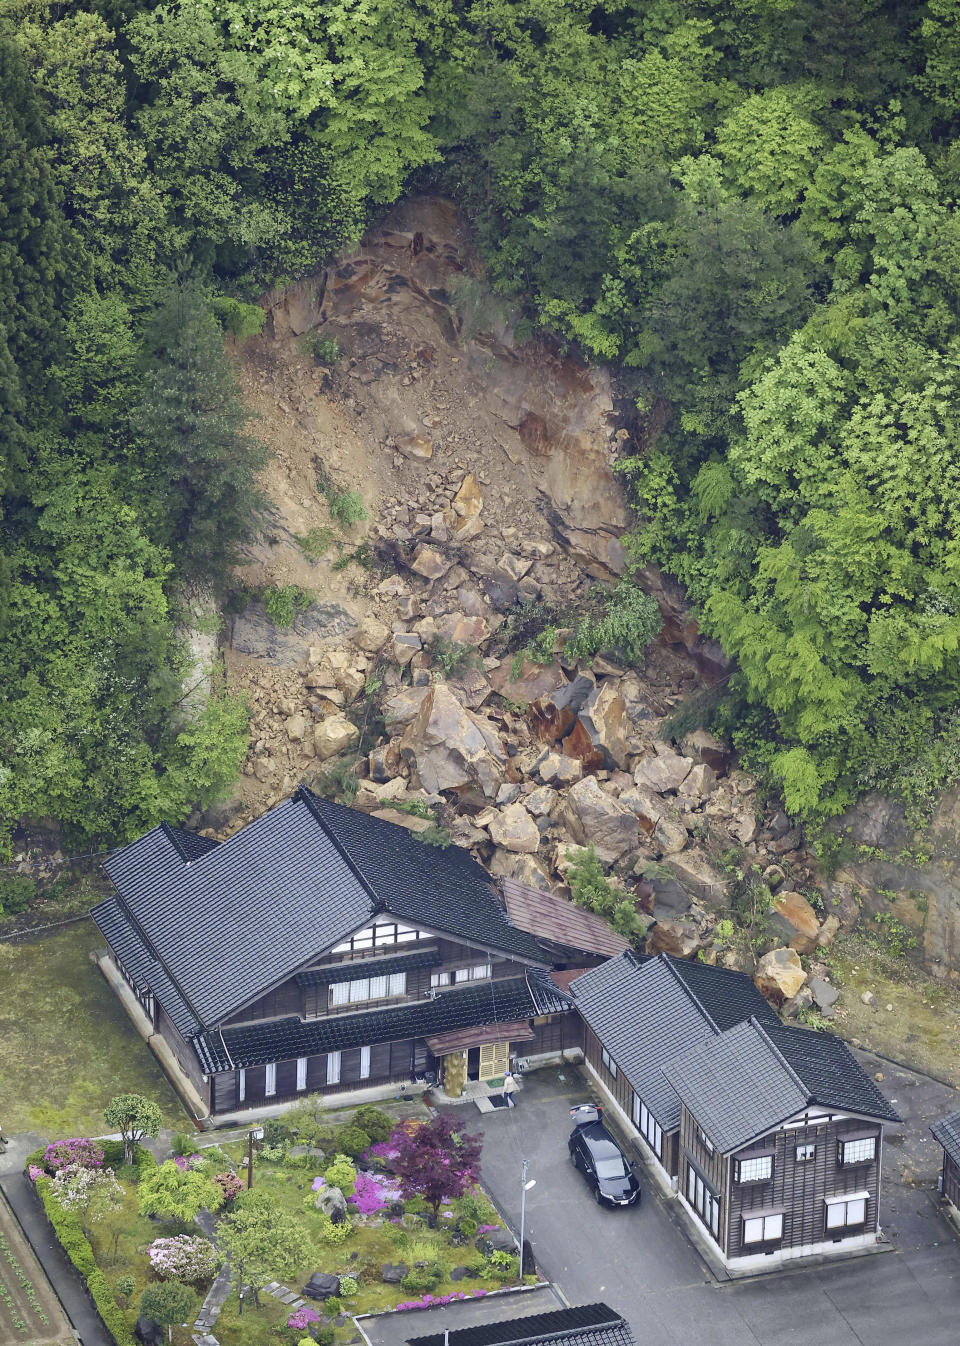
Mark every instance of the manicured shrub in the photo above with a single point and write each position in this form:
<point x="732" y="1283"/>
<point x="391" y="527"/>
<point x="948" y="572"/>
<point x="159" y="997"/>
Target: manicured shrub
<point x="231" y="1184"/>
<point x="334" y="1232"/>
<point x="467" y="1227"/>
<point x="184" y="1258"/>
<point x="374" y="1121"/>
<point x="341" y="1173"/>
<point x="125" y="1286"/>
<point x="418" y="1280"/>
<point x="79" y="1152"/>
<point x="183" y="1144"/>
<point x="332" y="1306"/>
<point x="167" y="1303"/>
<point x="348" y="1286"/>
<point x="16" y="894"/>
<point x="353" y="1141"/>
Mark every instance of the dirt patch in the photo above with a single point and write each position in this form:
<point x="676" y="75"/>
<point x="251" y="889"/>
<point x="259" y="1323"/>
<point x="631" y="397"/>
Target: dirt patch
<point x="30" y="1312"/>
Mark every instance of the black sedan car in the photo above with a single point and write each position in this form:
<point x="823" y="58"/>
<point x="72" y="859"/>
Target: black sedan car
<point x="599" y="1158"/>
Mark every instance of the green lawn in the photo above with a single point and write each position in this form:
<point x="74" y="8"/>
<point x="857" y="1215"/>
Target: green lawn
<point x="66" y="1044"/>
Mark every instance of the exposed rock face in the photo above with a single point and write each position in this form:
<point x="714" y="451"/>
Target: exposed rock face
<point x="255" y="634"/>
<point x="333" y="736"/>
<point x="679" y="938"/>
<point x="793" y="918"/>
<point x="779" y="975"/>
<point x="704" y="748"/>
<point x="515" y="830"/>
<point x="446" y="746"/>
<point x="597" y="819"/>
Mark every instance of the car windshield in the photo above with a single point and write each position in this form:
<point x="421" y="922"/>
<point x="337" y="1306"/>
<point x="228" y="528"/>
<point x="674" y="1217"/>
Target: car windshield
<point x="613" y="1167"/>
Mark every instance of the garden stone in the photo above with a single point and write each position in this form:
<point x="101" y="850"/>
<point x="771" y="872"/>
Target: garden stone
<point x="149" y="1332"/>
<point x="321" y="1285"/>
<point x="459" y="1273"/>
<point x="497" y="1240"/>
<point x="393" y="1272"/>
<point x="332" y="1202"/>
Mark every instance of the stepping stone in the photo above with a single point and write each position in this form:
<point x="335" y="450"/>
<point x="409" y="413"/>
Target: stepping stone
<point x="297" y="1304"/>
<point x="288" y="1298"/>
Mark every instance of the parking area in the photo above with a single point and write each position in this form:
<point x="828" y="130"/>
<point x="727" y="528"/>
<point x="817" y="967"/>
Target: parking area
<point x="641" y="1260"/>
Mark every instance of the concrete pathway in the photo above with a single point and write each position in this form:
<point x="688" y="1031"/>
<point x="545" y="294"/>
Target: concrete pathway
<point x="63" y="1276"/>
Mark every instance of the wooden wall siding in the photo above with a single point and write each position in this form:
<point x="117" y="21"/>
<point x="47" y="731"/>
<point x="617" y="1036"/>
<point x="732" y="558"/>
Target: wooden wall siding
<point x="800" y="1188"/>
<point x="557" y="1033"/>
<point x="184" y="1053"/>
<point x="277" y="1004"/>
<point x="951" y="1181"/>
<point x="620" y="1086"/>
<point x="389" y="1062"/>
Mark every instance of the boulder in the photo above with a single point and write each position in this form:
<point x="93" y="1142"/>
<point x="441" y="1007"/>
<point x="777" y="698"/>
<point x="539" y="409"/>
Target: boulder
<point x="524" y="868"/>
<point x="322" y="1285"/>
<point x="695" y="873"/>
<point x="647" y="806"/>
<point x="460" y="629"/>
<point x="515" y="830"/>
<point x="332" y="1202"/>
<point x="533" y="681"/>
<point x="793" y="919"/>
<point x="468" y="501"/>
<point x="828" y="931"/>
<point x="681" y="939"/>
<point x="779" y="975"/>
<point x="700" y="782"/>
<point x="393" y="1272"/>
<point x="824" y="995"/>
<point x="415" y="446"/>
<point x="604" y="717"/>
<point x="497" y="1240"/>
<point x="149" y="1332"/>
<point x="410" y="821"/>
<point x="670" y="835"/>
<point x="704" y="748"/>
<point x="539" y="802"/>
<point x="370" y="636"/>
<point x="745" y="827"/>
<point x="334" y="735"/>
<point x="447" y="746"/>
<point x="557" y="769"/>
<point x="666" y="771"/>
<point x="403" y="646"/>
<point x="296" y="727"/>
<point x="597" y="819"/>
<point x="430" y="563"/>
<point x="402" y="706"/>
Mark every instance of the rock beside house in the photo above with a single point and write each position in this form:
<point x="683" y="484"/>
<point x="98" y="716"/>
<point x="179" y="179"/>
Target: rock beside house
<point x="780" y="975"/>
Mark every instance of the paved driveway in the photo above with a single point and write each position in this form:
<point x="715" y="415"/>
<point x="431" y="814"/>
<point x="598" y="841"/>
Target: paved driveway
<point x="641" y="1262"/>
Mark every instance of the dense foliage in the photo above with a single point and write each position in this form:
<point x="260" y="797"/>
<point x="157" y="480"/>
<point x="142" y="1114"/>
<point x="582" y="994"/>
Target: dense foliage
<point x="747" y="205"/>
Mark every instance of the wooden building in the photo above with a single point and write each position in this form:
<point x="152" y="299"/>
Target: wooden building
<point x="947" y="1134"/>
<point x="323" y="950"/>
<point x="771" y="1135"/>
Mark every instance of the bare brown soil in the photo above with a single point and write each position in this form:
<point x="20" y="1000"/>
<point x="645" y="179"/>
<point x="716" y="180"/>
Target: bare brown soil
<point x="30" y="1313"/>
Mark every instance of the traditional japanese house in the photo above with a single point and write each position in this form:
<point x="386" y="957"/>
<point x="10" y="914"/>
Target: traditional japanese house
<point x="947" y="1133"/>
<point x="584" y="1325"/>
<point x="319" y="949"/>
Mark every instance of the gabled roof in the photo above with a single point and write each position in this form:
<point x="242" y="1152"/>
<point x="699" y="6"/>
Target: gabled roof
<point x="740" y="1084"/>
<point x="589" y="1325"/>
<point x="492" y="1002"/>
<point x="947" y="1132"/>
<point x="559" y="920"/>
<point x="647" y="1012"/>
<point x="224" y="923"/>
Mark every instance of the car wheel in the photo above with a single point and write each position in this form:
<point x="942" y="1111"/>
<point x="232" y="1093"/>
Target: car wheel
<point x="597" y="1197"/>
<point x="573" y="1158"/>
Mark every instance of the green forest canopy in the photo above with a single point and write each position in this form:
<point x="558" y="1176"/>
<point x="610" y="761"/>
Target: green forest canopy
<point x="748" y="206"/>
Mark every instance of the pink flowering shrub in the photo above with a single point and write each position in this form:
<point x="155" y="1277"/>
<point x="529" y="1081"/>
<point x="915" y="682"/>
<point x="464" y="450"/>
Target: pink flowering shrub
<point x="35" y="1173"/>
<point x="78" y="1153"/>
<point x="184" y="1161"/>
<point x="184" y="1258"/>
<point x="374" y="1192"/>
<point x="432" y="1301"/>
<point x="303" y="1318"/>
<point x="229" y="1183"/>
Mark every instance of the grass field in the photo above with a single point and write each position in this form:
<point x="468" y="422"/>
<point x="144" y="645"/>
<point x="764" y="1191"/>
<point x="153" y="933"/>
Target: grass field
<point x="66" y="1044"/>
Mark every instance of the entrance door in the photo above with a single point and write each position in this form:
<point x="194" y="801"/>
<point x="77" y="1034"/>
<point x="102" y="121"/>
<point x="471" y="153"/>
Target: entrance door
<point x="494" y="1060"/>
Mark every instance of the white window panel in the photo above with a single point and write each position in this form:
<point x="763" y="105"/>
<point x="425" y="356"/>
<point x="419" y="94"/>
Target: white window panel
<point x="755" y="1170"/>
<point x="405" y="936"/>
<point x="359" y="990"/>
<point x="270" y="1079"/>
<point x="753" y="1231"/>
<point x="439" y="978"/>
<point x="806" y="1152"/>
<point x="462" y="974"/>
<point x="856" y="1211"/>
<point x="333" y="1067"/>
<point x="608" y="1061"/>
<point x="364" y="1063"/>
<point x="340" y="993"/>
<point x="847" y="1210"/>
<point x="481" y="972"/>
<point x="241" y="1085"/>
<point x="836" y="1215"/>
<point x="762" y="1228"/>
<point x="398" y="983"/>
<point x="378" y="988"/>
<point x="301" y="1072"/>
<point x="858" y="1151"/>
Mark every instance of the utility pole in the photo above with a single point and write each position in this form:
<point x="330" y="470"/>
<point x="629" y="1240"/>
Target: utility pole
<point x="525" y="1186"/>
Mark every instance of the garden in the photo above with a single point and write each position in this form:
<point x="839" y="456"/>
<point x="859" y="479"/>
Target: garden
<point x="29" y="1309"/>
<point x="363" y="1216"/>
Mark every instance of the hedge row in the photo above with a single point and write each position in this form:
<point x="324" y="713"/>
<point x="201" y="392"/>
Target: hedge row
<point x="69" y="1230"/>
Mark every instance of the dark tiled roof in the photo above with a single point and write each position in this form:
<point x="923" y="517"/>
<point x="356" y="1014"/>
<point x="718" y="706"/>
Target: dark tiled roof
<point x="282" y="1039"/>
<point x="728" y="997"/>
<point x="751" y="1078"/>
<point x="589" y="1325"/>
<point x="831" y="1072"/>
<point x="947" y="1132"/>
<point x="736" y="1085"/>
<point x="440" y="887"/>
<point x="559" y="920"/>
<point x="229" y="921"/>
<point x="146" y="971"/>
<point x="368" y="967"/>
<point x="645" y="1015"/>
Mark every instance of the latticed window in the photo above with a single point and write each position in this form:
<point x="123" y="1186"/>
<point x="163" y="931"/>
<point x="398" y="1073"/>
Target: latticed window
<point x="759" y="1169"/>
<point x="863" y="1150"/>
